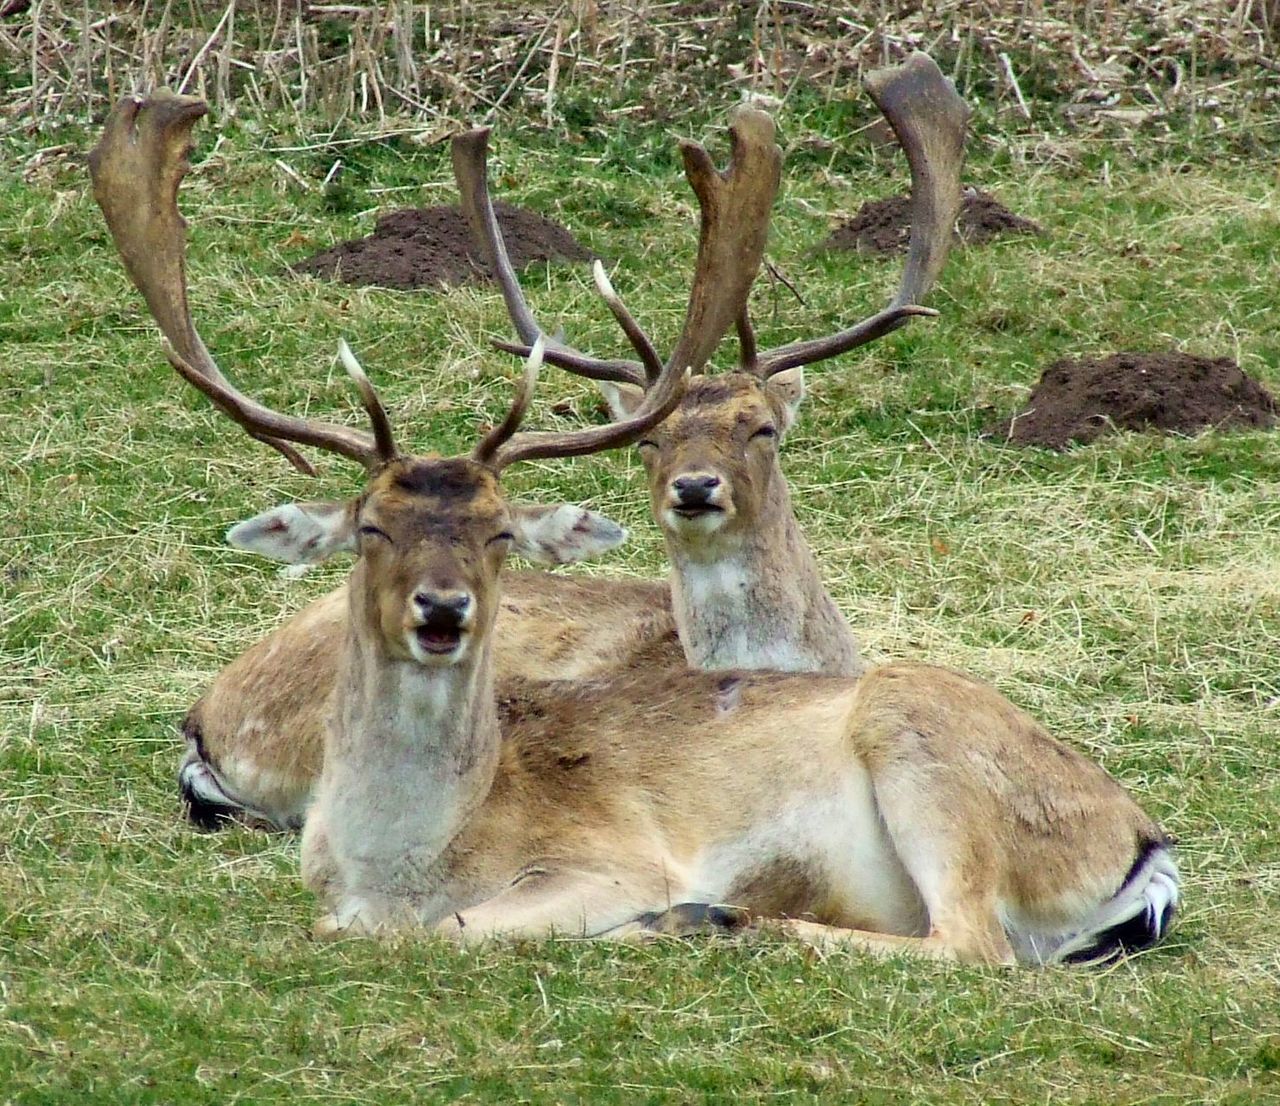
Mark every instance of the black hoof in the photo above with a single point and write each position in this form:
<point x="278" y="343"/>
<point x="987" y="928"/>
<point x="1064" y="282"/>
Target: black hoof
<point x="688" y="919"/>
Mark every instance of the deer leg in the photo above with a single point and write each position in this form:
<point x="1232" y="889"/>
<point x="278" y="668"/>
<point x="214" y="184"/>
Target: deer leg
<point x="347" y="914"/>
<point x="691" y="919"/>
<point x="948" y="856"/>
<point x="936" y="946"/>
<point x="567" y="903"/>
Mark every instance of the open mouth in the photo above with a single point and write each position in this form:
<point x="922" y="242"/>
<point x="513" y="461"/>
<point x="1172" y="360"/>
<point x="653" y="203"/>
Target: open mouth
<point x="440" y="636"/>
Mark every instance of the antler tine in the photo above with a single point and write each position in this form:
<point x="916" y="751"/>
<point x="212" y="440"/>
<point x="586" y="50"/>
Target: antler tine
<point x="137" y="167"/>
<point x="270" y="426"/>
<point x="735" y="209"/>
<point x="659" y="402"/>
<point x="639" y="339"/>
<point x="619" y="372"/>
<point x="470" y="151"/>
<point x="486" y="451"/>
<point x="748" y="354"/>
<point x="384" y="439"/>
<point x="929" y="118"/>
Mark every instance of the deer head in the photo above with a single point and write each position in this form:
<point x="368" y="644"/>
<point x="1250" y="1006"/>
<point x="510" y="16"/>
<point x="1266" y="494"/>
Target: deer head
<point x="713" y="465"/>
<point x="431" y="533"/>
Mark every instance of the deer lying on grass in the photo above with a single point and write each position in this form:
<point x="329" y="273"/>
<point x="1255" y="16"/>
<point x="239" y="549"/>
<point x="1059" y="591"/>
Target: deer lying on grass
<point x="254" y="737"/>
<point x="746" y="590"/>
<point x="920" y="813"/>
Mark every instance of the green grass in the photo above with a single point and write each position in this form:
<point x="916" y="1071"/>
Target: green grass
<point x="1128" y="593"/>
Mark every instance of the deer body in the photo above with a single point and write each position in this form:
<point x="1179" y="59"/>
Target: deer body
<point x="912" y="803"/>
<point x="908" y="809"/>
<point x="911" y="809"/>
<point x="255" y="738"/>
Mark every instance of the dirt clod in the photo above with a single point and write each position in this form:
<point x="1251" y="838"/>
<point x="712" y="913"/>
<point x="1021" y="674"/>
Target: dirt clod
<point x="1078" y="399"/>
<point x="884" y="226"/>
<point x="431" y="247"/>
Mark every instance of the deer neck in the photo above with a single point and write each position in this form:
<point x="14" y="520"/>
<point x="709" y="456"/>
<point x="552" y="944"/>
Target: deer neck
<point x="411" y="754"/>
<point x="755" y="599"/>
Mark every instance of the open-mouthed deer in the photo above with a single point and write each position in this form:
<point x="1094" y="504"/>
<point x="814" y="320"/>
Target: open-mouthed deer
<point x="920" y="813"/>
<point x="747" y="589"/>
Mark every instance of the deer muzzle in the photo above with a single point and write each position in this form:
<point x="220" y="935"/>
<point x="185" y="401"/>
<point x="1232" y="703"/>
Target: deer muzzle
<point x="442" y="620"/>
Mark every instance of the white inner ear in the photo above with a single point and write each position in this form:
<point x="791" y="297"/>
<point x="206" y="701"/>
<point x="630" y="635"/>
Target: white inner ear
<point x="563" y="533"/>
<point x="788" y="387"/>
<point x="300" y="533"/>
<point x="623" y="399"/>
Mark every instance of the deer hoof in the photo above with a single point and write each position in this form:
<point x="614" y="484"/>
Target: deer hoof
<point x="690" y="919"/>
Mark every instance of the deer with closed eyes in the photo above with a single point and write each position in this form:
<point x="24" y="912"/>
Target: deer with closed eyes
<point x="909" y="809"/>
<point x="747" y="590"/>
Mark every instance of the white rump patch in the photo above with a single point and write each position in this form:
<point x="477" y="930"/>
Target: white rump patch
<point x="1150" y="893"/>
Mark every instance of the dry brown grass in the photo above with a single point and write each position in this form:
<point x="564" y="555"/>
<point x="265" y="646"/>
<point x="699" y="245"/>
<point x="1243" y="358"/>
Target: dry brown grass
<point x="401" y="64"/>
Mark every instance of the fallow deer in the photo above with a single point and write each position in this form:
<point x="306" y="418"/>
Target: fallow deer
<point x="920" y="813"/>
<point x="746" y="590"/>
<point x="749" y="595"/>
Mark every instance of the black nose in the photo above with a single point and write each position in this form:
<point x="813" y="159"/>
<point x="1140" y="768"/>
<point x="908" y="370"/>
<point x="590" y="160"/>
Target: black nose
<point x="444" y="608"/>
<point x="693" y="491"/>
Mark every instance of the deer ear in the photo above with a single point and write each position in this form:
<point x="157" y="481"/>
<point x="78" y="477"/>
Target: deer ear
<point x="300" y="533"/>
<point x="787" y="388"/>
<point x="563" y="533"/>
<point x="623" y="399"/>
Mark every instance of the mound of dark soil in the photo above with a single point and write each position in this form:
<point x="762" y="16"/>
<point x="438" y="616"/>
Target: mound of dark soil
<point x="431" y="247"/>
<point x="1077" y="400"/>
<point x="884" y="226"/>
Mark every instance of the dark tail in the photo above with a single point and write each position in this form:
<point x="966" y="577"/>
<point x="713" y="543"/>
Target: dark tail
<point x="208" y="802"/>
<point x="1135" y="917"/>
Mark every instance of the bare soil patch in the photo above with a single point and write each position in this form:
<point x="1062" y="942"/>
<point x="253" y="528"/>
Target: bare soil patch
<point x="1079" y="399"/>
<point x="884" y="226"/>
<point x="431" y="248"/>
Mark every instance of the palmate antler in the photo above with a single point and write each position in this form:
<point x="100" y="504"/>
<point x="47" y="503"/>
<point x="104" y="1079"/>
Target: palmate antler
<point x="137" y="168"/>
<point x="929" y="118"/>
<point x="735" y="208"/>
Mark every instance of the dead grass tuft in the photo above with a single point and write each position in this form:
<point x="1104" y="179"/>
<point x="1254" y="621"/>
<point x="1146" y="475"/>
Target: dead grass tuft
<point x="422" y="68"/>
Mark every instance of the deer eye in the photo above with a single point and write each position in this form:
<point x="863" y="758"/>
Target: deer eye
<point x="505" y="536"/>
<point x="646" y="443"/>
<point x="765" y="431"/>
<point x="373" y="532"/>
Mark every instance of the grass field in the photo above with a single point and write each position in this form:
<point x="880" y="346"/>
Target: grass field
<point x="1128" y="593"/>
